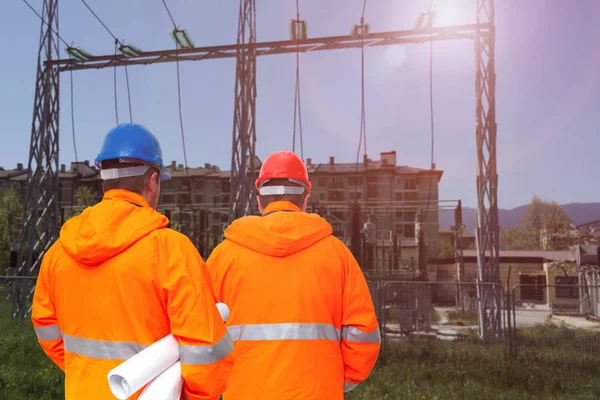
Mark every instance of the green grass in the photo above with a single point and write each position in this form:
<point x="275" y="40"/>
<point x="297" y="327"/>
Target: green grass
<point x="436" y="370"/>
<point x="564" y="368"/>
<point x="25" y="371"/>
<point x="462" y="318"/>
<point x="392" y="315"/>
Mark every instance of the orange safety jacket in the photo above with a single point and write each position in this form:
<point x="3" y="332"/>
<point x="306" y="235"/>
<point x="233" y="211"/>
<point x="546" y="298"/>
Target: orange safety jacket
<point x="302" y="318"/>
<point x="118" y="280"/>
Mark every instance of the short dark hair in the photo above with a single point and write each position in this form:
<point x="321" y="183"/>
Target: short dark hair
<point x="297" y="199"/>
<point x="135" y="184"/>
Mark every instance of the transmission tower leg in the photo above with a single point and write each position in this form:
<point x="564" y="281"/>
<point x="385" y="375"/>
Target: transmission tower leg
<point x="243" y="193"/>
<point x="40" y="224"/>
<point x="488" y="243"/>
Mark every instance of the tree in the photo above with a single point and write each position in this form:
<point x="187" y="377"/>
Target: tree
<point x="515" y="239"/>
<point x="533" y="222"/>
<point x="84" y="197"/>
<point x="446" y="249"/>
<point x="11" y="214"/>
<point x="546" y="226"/>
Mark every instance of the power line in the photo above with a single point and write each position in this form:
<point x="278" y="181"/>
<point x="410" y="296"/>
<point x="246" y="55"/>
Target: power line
<point x="128" y="93"/>
<point x="297" y="98"/>
<point x="424" y="216"/>
<point x="115" y="86"/>
<point x="169" y="12"/>
<point x="44" y="21"/>
<point x="99" y="20"/>
<point x="362" y="138"/>
<point x="180" y="115"/>
<point x="73" y="120"/>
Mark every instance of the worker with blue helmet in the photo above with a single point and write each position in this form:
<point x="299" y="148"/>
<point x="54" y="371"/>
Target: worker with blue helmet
<point x="118" y="280"/>
<point x="132" y="143"/>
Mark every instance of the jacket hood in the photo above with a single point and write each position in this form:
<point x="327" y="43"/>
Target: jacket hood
<point x="110" y="227"/>
<point x="282" y="230"/>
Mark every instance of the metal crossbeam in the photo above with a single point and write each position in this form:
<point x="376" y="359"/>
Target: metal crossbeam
<point x="271" y="48"/>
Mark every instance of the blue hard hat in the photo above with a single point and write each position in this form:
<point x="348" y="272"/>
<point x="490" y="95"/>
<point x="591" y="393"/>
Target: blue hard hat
<point x="134" y="142"/>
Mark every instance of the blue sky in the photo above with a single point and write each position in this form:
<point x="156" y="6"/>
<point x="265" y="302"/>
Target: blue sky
<point x="548" y="97"/>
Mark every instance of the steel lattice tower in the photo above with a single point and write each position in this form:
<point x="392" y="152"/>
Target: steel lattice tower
<point x="40" y="224"/>
<point x="243" y="193"/>
<point x="488" y="234"/>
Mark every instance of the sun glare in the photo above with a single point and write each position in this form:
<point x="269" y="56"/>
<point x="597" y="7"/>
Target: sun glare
<point x="453" y="12"/>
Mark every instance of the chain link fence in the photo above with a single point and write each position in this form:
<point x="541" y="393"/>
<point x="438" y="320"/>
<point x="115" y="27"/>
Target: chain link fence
<point x="542" y="318"/>
<point x="556" y="318"/>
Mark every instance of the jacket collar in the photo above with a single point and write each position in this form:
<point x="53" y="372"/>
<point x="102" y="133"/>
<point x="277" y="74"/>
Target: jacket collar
<point x="281" y="206"/>
<point x="126" y="195"/>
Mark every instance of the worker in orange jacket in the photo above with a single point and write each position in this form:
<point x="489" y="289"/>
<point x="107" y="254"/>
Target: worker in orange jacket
<point x="302" y="318"/>
<point x="118" y="280"/>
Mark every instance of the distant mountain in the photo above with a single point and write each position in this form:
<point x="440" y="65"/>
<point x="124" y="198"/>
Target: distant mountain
<point x="580" y="213"/>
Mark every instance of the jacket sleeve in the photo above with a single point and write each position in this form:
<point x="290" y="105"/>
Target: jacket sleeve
<point x="361" y="339"/>
<point x="204" y="344"/>
<point x="43" y="316"/>
<point x="217" y="271"/>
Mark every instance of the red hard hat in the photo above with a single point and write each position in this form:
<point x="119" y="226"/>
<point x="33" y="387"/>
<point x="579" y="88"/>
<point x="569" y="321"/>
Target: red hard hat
<point x="282" y="165"/>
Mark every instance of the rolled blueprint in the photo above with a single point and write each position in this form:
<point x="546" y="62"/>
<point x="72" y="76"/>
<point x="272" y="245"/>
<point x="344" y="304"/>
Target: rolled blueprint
<point x="133" y="374"/>
<point x="166" y="386"/>
<point x="129" y="377"/>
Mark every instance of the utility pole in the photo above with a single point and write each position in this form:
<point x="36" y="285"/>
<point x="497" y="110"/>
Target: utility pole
<point x="243" y="192"/>
<point x="40" y="225"/>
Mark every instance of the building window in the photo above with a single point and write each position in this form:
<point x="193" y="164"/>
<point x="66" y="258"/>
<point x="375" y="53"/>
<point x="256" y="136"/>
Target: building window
<point x="169" y="198"/>
<point x="322" y="181"/>
<point x="355" y="180"/>
<point x="409" y="216"/>
<point x="372" y="179"/>
<point x="409" y="231"/>
<point x="399" y="214"/>
<point x="398" y="181"/>
<point x="410" y="184"/>
<point x="184" y="198"/>
<point x="567" y="292"/>
<point x="225" y="186"/>
<point x="199" y="198"/>
<point x="322" y="196"/>
<point x="355" y="195"/>
<point x="399" y="196"/>
<point x="410" y="196"/>
<point x="199" y="184"/>
<point x="335" y="196"/>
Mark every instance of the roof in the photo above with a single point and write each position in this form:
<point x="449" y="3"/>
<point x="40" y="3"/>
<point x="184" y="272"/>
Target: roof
<point x="353" y="168"/>
<point x="545" y="255"/>
<point x="444" y="231"/>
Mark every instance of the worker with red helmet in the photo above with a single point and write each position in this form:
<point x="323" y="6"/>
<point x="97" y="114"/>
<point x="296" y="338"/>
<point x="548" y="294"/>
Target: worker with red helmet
<point x="302" y="319"/>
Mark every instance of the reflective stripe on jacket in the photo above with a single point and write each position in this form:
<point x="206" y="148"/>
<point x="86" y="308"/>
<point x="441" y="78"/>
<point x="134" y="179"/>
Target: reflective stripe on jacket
<point x="117" y="281"/>
<point x="302" y="318"/>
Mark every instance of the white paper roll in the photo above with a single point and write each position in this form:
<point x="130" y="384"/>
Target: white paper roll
<point x="133" y="374"/>
<point x="223" y="310"/>
<point x="166" y="386"/>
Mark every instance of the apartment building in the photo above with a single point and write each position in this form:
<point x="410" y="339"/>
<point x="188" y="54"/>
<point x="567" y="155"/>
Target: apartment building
<point x="391" y="197"/>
